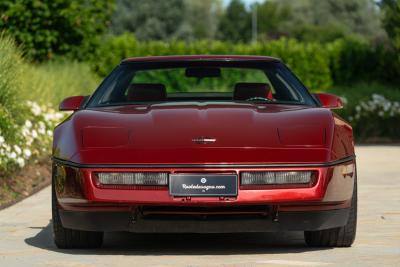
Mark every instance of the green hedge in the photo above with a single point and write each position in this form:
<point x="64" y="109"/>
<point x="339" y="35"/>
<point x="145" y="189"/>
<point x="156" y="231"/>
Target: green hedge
<point x="319" y="66"/>
<point x="310" y="61"/>
<point x="354" y="60"/>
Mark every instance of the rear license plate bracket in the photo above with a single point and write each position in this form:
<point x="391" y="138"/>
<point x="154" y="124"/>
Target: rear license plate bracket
<point x="203" y="185"/>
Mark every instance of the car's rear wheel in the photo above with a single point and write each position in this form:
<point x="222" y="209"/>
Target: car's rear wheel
<point x="336" y="237"/>
<point x="70" y="238"/>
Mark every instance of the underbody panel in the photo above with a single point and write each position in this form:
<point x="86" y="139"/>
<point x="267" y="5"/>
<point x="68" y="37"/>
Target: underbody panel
<point x="126" y="221"/>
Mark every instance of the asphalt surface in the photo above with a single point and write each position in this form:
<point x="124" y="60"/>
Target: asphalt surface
<point x="26" y="239"/>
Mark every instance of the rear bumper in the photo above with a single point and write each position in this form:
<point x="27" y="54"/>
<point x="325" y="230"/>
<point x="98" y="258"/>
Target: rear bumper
<point x="334" y="185"/>
<point x="127" y="221"/>
<point x="325" y="204"/>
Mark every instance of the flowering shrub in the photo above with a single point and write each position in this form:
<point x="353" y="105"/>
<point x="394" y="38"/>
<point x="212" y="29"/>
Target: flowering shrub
<point x="376" y="117"/>
<point x="378" y="105"/>
<point x="25" y="126"/>
<point x="32" y="139"/>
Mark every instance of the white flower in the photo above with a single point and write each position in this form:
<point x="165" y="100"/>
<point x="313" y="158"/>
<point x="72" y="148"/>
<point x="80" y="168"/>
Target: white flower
<point x="344" y="100"/>
<point x="34" y="134"/>
<point x="21" y="162"/>
<point x="35" y="108"/>
<point x="28" y="124"/>
<point x="13" y="155"/>
<point x="1" y="140"/>
<point x="17" y="149"/>
<point x="379" y="106"/>
<point x="27" y="153"/>
<point x="42" y="127"/>
<point x="7" y="147"/>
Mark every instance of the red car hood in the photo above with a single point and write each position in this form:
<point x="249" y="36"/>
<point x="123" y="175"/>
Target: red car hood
<point x="164" y="133"/>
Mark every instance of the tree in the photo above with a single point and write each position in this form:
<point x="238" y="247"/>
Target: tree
<point x="202" y="18"/>
<point x="331" y="19"/>
<point x="271" y="18"/>
<point x="235" y="23"/>
<point x="148" y="20"/>
<point x="55" y="27"/>
<point x="391" y="20"/>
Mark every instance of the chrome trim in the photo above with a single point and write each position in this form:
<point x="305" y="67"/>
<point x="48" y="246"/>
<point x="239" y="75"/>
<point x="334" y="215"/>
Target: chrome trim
<point x="202" y="140"/>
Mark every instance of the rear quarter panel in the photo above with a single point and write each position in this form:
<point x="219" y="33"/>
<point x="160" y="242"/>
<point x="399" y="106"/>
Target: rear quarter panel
<point x="342" y="139"/>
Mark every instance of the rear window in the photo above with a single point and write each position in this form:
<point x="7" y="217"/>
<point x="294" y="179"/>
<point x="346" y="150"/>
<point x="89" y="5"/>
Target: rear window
<point x="176" y="80"/>
<point x="261" y="82"/>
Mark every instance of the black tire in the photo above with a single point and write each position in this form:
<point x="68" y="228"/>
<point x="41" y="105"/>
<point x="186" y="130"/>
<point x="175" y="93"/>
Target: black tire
<point x="69" y="238"/>
<point x="336" y="237"/>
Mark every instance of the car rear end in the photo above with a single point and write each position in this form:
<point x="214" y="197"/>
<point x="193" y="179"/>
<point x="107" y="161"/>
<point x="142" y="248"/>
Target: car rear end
<point x="205" y="199"/>
<point x="260" y="155"/>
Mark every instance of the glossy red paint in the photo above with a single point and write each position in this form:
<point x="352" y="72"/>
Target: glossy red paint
<point x="330" y="101"/>
<point x="245" y="133"/>
<point x="72" y="103"/>
<point x="332" y="189"/>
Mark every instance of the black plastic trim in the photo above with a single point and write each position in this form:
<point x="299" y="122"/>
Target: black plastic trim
<point x="222" y="165"/>
<point x="205" y="58"/>
<point x="126" y="221"/>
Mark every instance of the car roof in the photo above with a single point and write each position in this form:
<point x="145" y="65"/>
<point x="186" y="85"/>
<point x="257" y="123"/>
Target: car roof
<point x="201" y="58"/>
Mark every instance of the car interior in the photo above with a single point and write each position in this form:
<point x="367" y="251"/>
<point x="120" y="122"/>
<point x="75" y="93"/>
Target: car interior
<point x="178" y="84"/>
<point x="156" y="92"/>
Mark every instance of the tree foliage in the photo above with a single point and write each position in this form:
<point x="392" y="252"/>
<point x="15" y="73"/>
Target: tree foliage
<point x="202" y="18"/>
<point x="56" y="27"/>
<point x="168" y="19"/>
<point x="391" y="20"/>
<point x="271" y="17"/>
<point x="316" y="20"/>
<point x="150" y="19"/>
<point x="235" y="24"/>
<point x="306" y="20"/>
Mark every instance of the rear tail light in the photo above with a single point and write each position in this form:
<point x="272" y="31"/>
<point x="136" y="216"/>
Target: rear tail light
<point x="132" y="178"/>
<point x="277" y="178"/>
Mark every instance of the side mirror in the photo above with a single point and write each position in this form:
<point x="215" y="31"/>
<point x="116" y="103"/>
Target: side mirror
<point x="330" y="101"/>
<point x="71" y="103"/>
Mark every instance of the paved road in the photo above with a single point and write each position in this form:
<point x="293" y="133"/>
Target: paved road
<point x="25" y="234"/>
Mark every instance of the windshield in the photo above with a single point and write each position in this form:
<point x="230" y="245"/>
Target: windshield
<point x="155" y="82"/>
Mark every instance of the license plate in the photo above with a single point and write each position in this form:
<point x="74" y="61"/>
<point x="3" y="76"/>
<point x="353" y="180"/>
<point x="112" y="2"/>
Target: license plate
<point x="203" y="184"/>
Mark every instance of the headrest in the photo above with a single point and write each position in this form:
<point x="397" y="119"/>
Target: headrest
<point x="244" y="91"/>
<point x="147" y="92"/>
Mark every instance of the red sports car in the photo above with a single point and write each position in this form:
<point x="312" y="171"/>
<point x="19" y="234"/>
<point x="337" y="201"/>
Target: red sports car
<point x="203" y="144"/>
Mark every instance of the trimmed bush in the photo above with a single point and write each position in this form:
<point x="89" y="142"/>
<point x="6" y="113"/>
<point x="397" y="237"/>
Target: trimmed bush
<point x="310" y="61"/>
<point x="354" y="60"/>
<point x="319" y="66"/>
